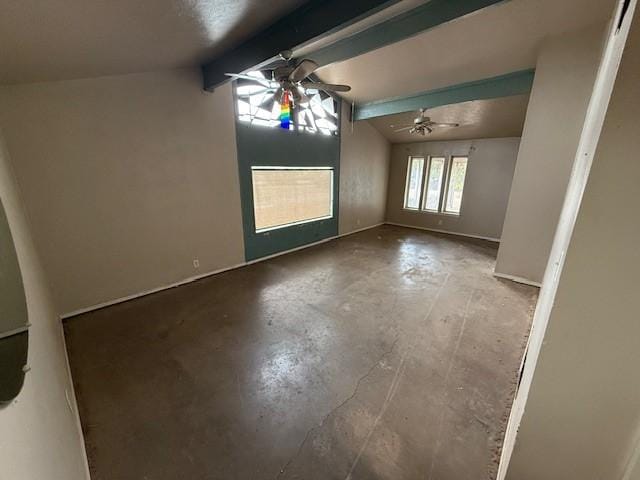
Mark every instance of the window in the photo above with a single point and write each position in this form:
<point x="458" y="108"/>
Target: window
<point x="457" y="173"/>
<point x="285" y="196"/>
<point x="434" y="184"/>
<point x="435" y="197"/>
<point x="414" y="183"/>
<point x="257" y="105"/>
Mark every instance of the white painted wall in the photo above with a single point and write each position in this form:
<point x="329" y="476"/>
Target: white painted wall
<point x="565" y="73"/>
<point x="39" y="432"/>
<point x="486" y="191"/>
<point x="126" y="180"/>
<point x="582" y="415"/>
<point x="364" y="172"/>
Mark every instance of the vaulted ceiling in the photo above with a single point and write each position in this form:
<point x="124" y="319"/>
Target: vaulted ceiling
<point x="497" y="40"/>
<point x="44" y="40"/>
<point x="64" y="39"/>
<point x="493" y="118"/>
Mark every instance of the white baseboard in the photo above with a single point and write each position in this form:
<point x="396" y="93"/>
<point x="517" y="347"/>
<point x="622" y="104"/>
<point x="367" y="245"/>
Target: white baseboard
<point x="361" y="229"/>
<point x="449" y="232"/>
<point x="516" y="279"/>
<point x="144" y="293"/>
<point x="201" y="276"/>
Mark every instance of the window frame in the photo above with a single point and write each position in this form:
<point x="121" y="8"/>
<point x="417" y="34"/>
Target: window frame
<point x="444" y="190"/>
<point x="427" y="174"/>
<point x="298" y="222"/>
<point x="408" y="180"/>
<point x="443" y="208"/>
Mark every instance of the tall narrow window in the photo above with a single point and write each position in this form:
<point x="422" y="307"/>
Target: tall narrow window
<point x="285" y="196"/>
<point x="413" y="186"/>
<point x="457" y="173"/>
<point x="433" y="188"/>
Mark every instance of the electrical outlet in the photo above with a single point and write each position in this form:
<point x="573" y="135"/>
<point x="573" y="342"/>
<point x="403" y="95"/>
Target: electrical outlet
<point x="196" y="263"/>
<point x="439" y="222"/>
<point x="358" y="222"/>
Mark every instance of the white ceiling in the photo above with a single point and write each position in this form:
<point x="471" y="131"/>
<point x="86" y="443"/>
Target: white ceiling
<point x="62" y="39"/>
<point x="494" y="118"/>
<point x="499" y="39"/>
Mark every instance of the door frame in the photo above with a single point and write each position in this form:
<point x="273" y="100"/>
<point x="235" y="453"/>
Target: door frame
<point x="603" y="87"/>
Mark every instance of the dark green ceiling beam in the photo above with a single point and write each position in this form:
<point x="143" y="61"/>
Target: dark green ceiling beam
<point x="405" y="25"/>
<point x="311" y="21"/>
<point x="515" y="83"/>
<point x="319" y="18"/>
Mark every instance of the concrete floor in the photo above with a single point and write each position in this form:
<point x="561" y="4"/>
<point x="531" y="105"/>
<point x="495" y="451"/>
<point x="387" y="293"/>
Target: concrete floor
<point x="388" y="354"/>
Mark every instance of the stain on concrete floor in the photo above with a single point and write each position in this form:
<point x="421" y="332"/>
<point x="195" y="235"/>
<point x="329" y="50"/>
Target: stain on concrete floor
<point x="388" y="354"/>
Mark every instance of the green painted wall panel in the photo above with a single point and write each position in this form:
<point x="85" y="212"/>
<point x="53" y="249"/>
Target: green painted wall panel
<point x="263" y="146"/>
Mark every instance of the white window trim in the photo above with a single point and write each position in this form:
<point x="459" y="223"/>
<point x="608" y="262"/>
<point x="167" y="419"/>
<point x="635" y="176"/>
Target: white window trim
<point x="427" y="173"/>
<point x="444" y="191"/>
<point x="300" y="222"/>
<point x="407" y="180"/>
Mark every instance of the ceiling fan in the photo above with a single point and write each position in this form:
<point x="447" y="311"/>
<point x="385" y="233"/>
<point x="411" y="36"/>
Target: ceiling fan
<point x="423" y="125"/>
<point x="289" y="84"/>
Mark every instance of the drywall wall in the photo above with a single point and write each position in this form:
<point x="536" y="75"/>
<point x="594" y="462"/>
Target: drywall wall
<point x="565" y="73"/>
<point x="364" y="172"/>
<point x="39" y="432"/>
<point x="486" y="190"/>
<point x="581" y="418"/>
<point x="126" y="180"/>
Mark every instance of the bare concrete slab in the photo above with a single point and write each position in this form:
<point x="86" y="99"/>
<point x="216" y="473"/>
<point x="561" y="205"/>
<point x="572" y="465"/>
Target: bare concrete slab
<point x="388" y="354"/>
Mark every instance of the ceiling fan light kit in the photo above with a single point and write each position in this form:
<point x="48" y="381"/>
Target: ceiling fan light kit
<point x="289" y="84"/>
<point x="423" y="125"/>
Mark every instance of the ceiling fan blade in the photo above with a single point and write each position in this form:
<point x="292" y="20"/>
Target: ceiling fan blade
<point x="403" y="129"/>
<point x="444" y="125"/>
<point x="327" y="87"/>
<point x="303" y="70"/>
<point x="261" y="81"/>
<point x="402" y="125"/>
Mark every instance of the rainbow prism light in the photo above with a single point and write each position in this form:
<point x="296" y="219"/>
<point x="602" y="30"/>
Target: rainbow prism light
<point x="285" y="110"/>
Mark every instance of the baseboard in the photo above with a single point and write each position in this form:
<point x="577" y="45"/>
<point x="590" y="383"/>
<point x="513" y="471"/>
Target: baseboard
<point x="360" y="230"/>
<point x="448" y="232"/>
<point x="201" y="276"/>
<point x="144" y="293"/>
<point x="516" y="279"/>
<point x="284" y="252"/>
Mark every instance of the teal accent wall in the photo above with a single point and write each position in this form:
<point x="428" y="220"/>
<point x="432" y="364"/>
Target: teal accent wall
<point x="514" y="83"/>
<point x="264" y="146"/>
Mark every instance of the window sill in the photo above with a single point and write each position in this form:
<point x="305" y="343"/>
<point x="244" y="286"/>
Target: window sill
<point x="429" y="212"/>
